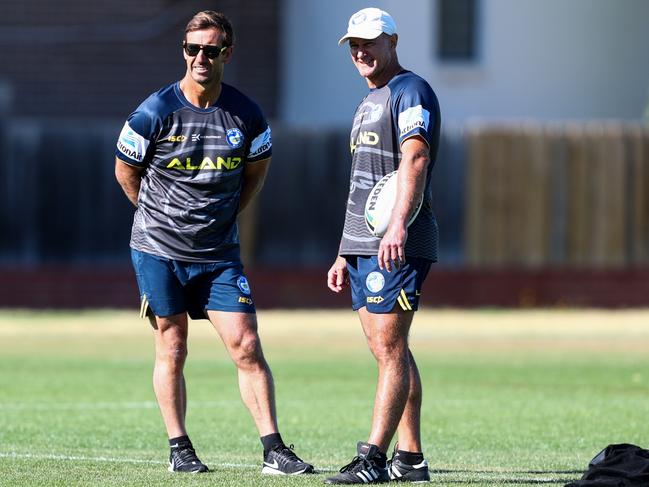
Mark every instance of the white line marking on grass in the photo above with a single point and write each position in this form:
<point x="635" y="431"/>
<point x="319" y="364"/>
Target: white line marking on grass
<point x="80" y="406"/>
<point x="82" y="458"/>
<point x="51" y="456"/>
<point x="119" y="405"/>
<point x="482" y="473"/>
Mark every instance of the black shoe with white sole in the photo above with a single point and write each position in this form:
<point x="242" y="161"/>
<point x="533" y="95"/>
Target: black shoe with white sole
<point x="184" y="459"/>
<point x="401" y="471"/>
<point x="365" y="468"/>
<point x="282" y="460"/>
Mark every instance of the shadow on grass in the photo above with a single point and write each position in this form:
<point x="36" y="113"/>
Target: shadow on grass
<point x="510" y="481"/>
<point x="505" y="472"/>
<point x="512" y="477"/>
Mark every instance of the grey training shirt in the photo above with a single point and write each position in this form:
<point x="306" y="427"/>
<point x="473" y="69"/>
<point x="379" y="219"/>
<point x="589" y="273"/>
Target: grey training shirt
<point x="193" y="162"/>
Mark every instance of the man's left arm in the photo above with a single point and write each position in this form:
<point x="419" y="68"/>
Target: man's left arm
<point x="129" y="178"/>
<point x="254" y="174"/>
<point x="411" y="180"/>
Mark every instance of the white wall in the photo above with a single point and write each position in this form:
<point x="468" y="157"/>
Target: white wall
<point x="550" y="59"/>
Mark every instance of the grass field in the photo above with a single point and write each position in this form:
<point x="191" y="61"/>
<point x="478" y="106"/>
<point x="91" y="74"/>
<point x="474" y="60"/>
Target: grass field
<point x="510" y="397"/>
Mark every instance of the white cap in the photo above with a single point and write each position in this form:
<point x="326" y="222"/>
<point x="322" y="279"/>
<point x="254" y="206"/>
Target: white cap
<point x="369" y="23"/>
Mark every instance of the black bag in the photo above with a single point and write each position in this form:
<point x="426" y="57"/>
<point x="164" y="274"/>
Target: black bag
<point x="620" y="465"/>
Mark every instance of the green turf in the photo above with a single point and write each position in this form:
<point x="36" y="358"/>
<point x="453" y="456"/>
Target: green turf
<point x="77" y="408"/>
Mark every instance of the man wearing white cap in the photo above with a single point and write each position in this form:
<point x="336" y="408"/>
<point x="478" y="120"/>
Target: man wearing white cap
<point x="395" y="128"/>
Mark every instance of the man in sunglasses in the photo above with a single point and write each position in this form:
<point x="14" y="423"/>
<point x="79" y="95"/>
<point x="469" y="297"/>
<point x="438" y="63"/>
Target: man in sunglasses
<point x="190" y="158"/>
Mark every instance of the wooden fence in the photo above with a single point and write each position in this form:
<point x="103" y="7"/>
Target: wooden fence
<point x="558" y="195"/>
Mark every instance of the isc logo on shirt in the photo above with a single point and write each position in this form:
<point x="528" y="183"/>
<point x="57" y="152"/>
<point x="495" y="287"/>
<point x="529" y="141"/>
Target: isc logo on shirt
<point x="177" y="138"/>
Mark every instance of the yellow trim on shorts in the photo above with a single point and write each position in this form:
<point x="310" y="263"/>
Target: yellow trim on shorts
<point x="144" y="306"/>
<point x="403" y="301"/>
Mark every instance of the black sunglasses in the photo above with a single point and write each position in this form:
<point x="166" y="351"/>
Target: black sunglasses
<point x="210" y="51"/>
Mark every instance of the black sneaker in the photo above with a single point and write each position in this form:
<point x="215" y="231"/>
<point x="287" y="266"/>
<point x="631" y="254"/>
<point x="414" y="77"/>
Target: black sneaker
<point x="404" y="472"/>
<point x="363" y="469"/>
<point x="185" y="460"/>
<point x="282" y="460"/>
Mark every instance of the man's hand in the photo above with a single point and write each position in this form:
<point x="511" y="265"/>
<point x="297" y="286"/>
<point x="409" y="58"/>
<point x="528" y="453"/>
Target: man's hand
<point x="391" y="249"/>
<point x="338" y="277"/>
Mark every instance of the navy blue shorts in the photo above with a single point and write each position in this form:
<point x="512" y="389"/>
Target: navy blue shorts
<point x="382" y="291"/>
<point x="168" y="287"/>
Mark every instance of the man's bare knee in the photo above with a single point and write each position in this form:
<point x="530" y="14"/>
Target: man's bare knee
<point x="171" y="342"/>
<point x="389" y="348"/>
<point x="246" y="353"/>
<point x="174" y="352"/>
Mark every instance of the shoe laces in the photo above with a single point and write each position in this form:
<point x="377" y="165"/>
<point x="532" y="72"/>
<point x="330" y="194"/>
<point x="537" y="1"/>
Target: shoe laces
<point x="186" y="455"/>
<point x="287" y="453"/>
<point x="356" y="465"/>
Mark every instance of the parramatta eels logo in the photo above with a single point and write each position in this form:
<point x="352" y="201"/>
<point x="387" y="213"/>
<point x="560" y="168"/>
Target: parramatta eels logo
<point x="234" y="138"/>
<point x="242" y="282"/>
<point x="369" y="112"/>
<point x="375" y="281"/>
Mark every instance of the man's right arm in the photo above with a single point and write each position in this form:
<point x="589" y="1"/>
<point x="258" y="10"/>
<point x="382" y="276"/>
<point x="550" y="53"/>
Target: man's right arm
<point x="129" y="178"/>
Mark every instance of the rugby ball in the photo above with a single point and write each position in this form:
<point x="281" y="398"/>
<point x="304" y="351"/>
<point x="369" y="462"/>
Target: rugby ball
<point x="380" y="203"/>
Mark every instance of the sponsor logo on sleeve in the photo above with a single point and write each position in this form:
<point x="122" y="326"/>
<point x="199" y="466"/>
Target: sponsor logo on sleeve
<point x="235" y="138"/>
<point x="132" y="144"/>
<point x="262" y="143"/>
<point x="412" y="118"/>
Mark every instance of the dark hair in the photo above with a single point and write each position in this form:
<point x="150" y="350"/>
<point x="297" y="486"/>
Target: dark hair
<point x="208" y="19"/>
